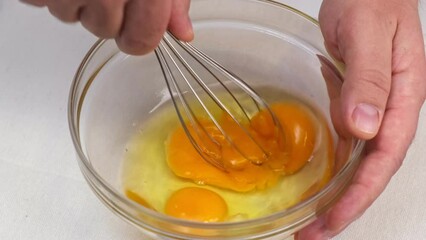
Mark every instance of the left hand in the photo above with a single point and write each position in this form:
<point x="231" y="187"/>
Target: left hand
<point x="384" y="88"/>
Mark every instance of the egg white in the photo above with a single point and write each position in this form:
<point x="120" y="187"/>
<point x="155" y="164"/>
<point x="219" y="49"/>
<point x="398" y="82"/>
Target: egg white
<point x="145" y="172"/>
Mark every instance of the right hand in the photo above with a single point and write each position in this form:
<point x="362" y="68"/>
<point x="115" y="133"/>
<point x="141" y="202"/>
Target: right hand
<point x="136" y="25"/>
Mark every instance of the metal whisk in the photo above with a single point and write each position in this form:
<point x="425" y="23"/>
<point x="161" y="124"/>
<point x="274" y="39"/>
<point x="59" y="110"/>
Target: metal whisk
<point x="201" y="88"/>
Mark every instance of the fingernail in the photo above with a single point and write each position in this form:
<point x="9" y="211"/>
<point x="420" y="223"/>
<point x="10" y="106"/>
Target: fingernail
<point x="366" y="118"/>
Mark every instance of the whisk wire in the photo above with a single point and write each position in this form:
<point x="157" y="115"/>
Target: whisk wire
<point x="236" y="80"/>
<point x="166" y="48"/>
<point x="199" y="54"/>
<point x="213" y="96"/>
<point x="170" y="81"/>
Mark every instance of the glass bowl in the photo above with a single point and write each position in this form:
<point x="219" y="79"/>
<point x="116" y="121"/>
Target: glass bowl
<point x="112" y="93"/>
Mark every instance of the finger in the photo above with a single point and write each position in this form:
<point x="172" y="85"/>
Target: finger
<point x="372" y="176"/>
<point x="365" y="44"/>
<point x="384" y="157"/>
<point x="409" y="53"/>
<point x="334" y="80"/>
<point x="103" y="18"/>
<point x="38" y="3"/>
<point x="144" y="25"/>
<point x="180" y="24"/>
<point x="65" y="10"/>
<point x="328" y="20"/>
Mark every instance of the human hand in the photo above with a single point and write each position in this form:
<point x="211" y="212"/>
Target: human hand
<point x="136" y="25"/>
<point x="384" y="88"/>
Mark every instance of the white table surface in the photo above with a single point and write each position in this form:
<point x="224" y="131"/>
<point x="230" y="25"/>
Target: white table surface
<point x="42" y="192"/>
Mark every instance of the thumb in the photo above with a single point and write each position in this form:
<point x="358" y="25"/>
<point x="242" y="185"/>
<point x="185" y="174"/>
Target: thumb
<point x="365" y="45"/>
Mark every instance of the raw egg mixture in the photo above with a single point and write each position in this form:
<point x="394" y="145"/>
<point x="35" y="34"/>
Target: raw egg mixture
<point x="163" y="171"/>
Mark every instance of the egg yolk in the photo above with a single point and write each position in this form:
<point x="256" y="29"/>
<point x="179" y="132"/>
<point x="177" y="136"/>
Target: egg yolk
<point x="198" y="204"/>
<point x="254" y="169"/>
<point x="300" y="133"/>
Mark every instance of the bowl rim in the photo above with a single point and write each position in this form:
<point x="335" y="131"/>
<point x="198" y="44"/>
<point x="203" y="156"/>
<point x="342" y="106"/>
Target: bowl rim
<point x="86" y="167"/>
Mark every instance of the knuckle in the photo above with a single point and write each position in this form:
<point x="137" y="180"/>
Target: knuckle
<point x="63" y="10"/>
<point x="59" y="15"/>
<point x="59" y="4"/>
<point x="104" y="4"/>
<point x="136" y="46"/>
<point x="375" y="81"/>
<point x="67" y="18"/>
<point x="108" y="4"/>
<point x="102" y="32"/>
<point x="98" y="25"/>
<point x="98" y="29"/>
<point x="103" y="18"/>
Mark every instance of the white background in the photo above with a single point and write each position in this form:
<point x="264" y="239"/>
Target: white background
<point x="42" y="192"/>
